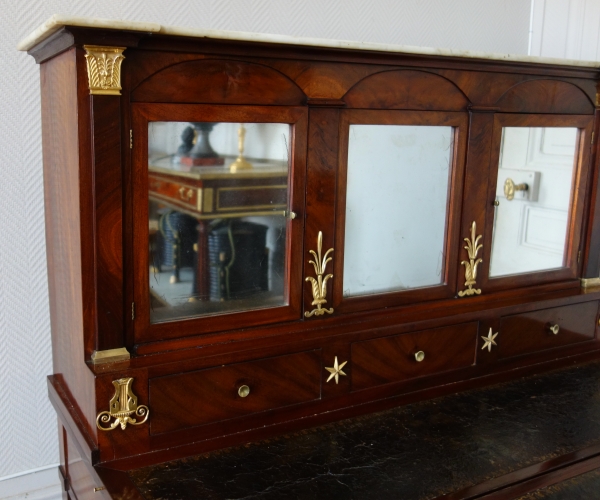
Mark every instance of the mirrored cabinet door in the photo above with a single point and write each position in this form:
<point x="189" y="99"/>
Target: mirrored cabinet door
<point x="534" y="186"/>
<point x="398" y="175"/>
<point x="219" y="215"/>
<point x="396" y="207"/>
<point x="218" y="195"/>
<point x="539" y="190"/>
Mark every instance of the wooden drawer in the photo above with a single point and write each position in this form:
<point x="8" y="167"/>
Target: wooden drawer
<point x="530" y="332"/>
<point x="176" y="193"/>
<point x="392" y="359"/>
<point x="206" y="396"/>
<point x="265" y="197"/>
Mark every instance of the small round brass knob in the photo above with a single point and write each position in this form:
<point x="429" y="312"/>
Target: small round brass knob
<point x="419" y="356"/>
<point x="243" y="391"/>
<point x="554" y="329"/>
<point x="496" y="203"/>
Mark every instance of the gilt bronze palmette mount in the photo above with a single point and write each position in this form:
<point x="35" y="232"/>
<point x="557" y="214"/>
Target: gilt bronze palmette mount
<point x="123" y="408"/>
<point x="472" y="249"/>
<point x="104" y="69"/>
<point x="319" y="284"/>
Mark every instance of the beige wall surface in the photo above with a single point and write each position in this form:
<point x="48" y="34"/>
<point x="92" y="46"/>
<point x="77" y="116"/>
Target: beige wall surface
<point x="28" y="431"/>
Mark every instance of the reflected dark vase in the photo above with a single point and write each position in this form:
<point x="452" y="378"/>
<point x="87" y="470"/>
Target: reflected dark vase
<point x="202" y="148"/>
<point x="202" y="154"/>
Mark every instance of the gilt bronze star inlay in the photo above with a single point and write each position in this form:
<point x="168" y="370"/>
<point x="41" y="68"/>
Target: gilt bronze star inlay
<point x="489" y="340"/>
<point x="336" y="370"/>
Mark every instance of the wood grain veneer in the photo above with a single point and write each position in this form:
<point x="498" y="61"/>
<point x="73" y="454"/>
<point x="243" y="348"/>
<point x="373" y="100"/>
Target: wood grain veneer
<point x="60" y="136"/>
<point x="206" y="396"/>
<point x="392" y="359"/>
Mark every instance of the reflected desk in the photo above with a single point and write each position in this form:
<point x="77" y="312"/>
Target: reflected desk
<point x="212" y="193"/>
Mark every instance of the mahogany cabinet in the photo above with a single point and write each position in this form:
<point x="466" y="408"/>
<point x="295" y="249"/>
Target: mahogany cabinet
<point x="247" y="237"/>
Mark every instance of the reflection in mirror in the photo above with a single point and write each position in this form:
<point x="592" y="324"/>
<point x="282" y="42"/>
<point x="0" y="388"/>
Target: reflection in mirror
<point x="396" y="207"/>
<point x="533" y="199"/>
<point x="217" y="229"/>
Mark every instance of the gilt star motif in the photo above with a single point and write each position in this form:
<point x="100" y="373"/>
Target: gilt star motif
<point x="489" y="340"/>
<point x="336" y="370"/>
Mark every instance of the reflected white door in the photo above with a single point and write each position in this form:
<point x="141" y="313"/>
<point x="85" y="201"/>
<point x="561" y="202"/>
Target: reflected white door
<point x="530" y="230"/>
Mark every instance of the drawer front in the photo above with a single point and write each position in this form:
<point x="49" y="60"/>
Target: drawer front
<point x="530" y="332"/>
<point x="268" y="197"/>
<point x="392" y="359"/>
<point x="206" y="396"/>
<point x="175" y="193"/>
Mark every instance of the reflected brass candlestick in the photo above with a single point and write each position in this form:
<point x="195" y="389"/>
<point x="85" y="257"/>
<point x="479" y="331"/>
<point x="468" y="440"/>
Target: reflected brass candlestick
<point x="240" y="163"/>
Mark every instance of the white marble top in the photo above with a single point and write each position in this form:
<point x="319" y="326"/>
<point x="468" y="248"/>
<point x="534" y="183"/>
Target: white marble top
<point x="57" y="21"/>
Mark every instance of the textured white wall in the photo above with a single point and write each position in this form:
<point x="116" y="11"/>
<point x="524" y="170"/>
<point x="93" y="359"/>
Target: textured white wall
<point x="28" y="430"/>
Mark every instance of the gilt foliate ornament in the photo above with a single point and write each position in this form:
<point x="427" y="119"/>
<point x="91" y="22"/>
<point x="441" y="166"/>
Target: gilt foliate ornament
<point x="319" y="284"/>
<point x="472" y="249"/>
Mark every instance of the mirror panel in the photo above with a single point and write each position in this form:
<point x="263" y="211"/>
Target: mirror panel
<point x="398" y="180"/>
<point x="533" y="199"/>
<point x="218" y="195"/>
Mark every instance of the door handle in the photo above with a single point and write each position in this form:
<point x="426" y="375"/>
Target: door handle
<point x="510" y="187"/>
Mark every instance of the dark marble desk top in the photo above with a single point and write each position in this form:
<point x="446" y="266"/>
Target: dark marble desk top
<point x="416" y="451"/>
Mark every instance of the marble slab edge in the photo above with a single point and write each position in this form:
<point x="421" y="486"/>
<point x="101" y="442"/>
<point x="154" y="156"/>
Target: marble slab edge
<point x="57" y="21"/>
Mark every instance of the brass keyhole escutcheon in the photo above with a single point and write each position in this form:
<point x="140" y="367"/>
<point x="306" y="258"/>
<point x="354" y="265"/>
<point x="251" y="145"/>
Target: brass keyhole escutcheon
<point x="243" y="391"/>
<point x="419" y="356"/>
<point x="510" y="187"/>
<point x="554" y="329"/>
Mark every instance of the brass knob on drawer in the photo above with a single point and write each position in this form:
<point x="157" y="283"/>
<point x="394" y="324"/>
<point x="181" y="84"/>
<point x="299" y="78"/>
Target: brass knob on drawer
<point x="243" y="391"/>
<point x="185" y="195"/>
<point x="419" y="356"/>
<point x="554" y="329"/>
